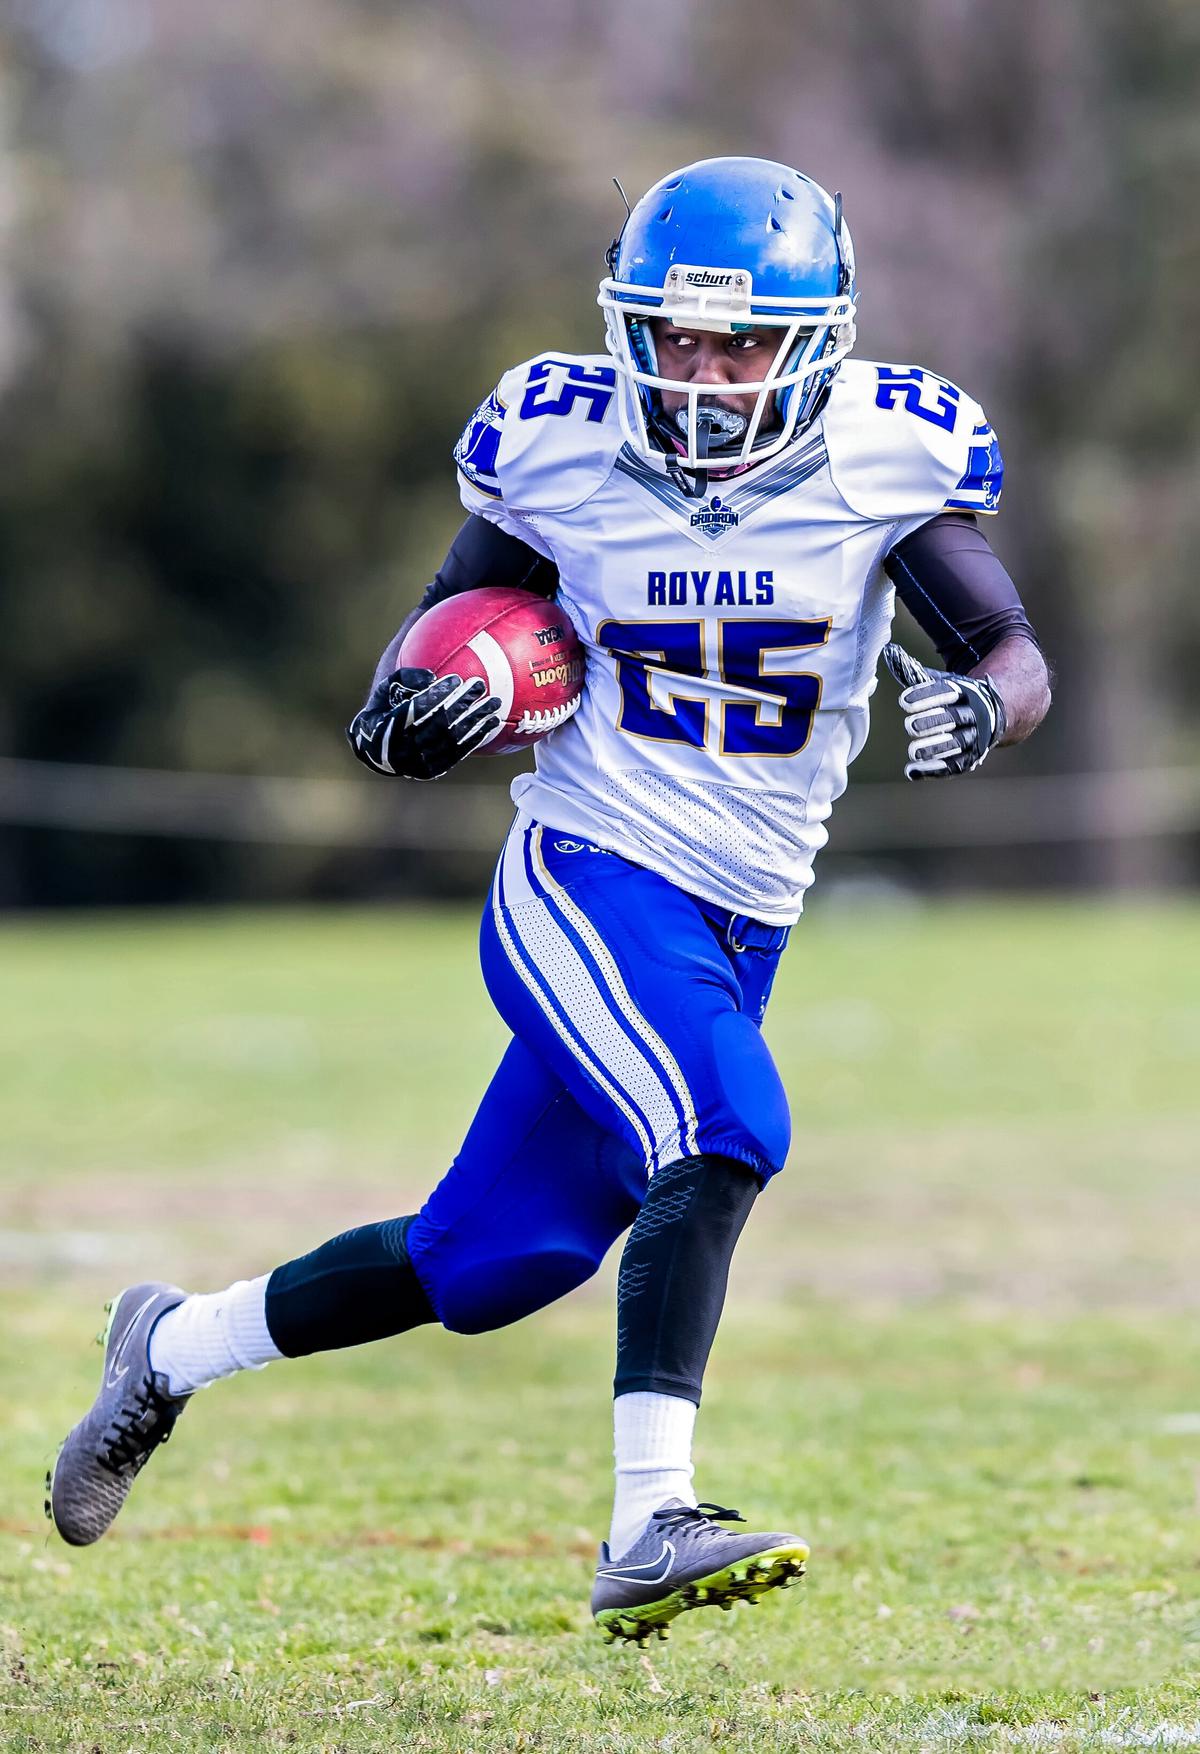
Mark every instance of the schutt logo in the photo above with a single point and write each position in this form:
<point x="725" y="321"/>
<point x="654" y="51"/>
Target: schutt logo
<point x="715" y="518"/>
<point x="706" y="277"/>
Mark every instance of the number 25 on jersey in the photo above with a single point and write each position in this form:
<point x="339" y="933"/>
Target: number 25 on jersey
<point x="655" y="659"/>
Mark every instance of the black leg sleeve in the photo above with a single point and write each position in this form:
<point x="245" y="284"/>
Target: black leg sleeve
<point x="359" y="1286"/>
<point x="671" y="1287"/>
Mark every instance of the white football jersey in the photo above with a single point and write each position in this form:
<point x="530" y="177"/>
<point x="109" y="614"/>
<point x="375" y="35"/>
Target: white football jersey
<point x="732" y="640"/>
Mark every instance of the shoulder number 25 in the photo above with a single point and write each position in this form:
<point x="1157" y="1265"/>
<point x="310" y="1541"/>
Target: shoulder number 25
<point x="922" y="393"/>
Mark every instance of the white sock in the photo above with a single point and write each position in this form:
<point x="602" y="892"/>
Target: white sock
<point x="652" y="1443"/>
<point x="207" y="1337"/>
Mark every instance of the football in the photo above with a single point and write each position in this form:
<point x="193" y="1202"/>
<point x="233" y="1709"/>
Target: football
<point x="523" y="647"/>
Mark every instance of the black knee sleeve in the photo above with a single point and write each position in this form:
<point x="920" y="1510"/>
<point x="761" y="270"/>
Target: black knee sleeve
<point x="671" y="1287"/>
<point x="360" y="1286"/>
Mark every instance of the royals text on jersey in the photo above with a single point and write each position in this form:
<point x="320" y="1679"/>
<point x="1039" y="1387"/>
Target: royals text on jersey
<point x="731" y="643"/>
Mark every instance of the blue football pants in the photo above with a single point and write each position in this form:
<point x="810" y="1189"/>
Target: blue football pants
<point x="636" y="1013"/>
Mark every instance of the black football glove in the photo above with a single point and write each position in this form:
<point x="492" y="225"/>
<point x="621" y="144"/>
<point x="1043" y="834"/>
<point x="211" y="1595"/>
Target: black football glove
<point x="952" y="721"/>
<point x="419" y="726"/>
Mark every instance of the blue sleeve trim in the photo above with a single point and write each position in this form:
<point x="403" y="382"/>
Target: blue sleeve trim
<point x="477" y="450"/>
<point x="982" y="480"/>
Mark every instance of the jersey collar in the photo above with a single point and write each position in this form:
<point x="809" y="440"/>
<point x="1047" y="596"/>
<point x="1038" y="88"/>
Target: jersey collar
<point x="711" y="520"/>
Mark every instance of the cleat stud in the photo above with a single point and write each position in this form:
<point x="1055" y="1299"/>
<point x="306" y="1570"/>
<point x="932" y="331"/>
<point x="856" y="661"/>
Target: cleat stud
<point x="664" y="1632"/>
<point x="727" y="1606"/>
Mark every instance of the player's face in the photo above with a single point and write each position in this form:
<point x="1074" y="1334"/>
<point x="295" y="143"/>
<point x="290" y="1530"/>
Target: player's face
<point x="697" y="356"/>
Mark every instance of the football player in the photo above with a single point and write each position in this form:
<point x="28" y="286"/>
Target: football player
<point x="726" y="504"/>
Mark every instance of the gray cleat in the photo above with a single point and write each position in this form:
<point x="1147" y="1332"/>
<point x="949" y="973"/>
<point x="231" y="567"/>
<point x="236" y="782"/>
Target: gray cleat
<point x="683" y="1560"/>
<point x="133" y="1413"/>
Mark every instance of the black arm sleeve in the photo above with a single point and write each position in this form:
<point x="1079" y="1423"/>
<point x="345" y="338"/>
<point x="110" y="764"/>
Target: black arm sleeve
<point x="481" y="554"/>
<point x="957" y="590"/>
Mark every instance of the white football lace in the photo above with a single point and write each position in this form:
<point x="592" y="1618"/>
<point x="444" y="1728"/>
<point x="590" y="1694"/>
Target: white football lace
<point x="542" y="719"/>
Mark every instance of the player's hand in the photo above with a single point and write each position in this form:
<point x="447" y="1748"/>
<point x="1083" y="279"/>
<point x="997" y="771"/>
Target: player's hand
<point x="952" y="721"/>
<point x="419" y="726"/>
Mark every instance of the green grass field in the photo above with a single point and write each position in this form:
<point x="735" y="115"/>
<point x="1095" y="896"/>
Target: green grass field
<point x="961" y="1353"/>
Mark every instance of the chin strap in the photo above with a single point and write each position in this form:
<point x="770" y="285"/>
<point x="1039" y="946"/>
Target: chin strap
<point x="706" y="426"/>
<point x="691" y="486"/>
<point x="694" y="486"/>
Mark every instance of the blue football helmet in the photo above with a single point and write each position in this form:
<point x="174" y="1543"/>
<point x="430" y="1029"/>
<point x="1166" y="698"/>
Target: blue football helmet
<point x="729" y="244"/>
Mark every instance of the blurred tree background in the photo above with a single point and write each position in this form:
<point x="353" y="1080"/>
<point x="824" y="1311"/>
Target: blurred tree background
<point x="259" y="266"/>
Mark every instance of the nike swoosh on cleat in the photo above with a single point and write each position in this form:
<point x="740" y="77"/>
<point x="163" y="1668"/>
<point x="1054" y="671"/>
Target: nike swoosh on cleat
<point x="623" y="1573"/>
<point x="114" y="1375"/>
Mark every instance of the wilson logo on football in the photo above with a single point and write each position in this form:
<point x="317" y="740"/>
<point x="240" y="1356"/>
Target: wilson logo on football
<point x="568" y="672"/>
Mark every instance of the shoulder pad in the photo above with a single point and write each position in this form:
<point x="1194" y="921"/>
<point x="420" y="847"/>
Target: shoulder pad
<point x="547" y="436"/>
<point x="905" y="443"/>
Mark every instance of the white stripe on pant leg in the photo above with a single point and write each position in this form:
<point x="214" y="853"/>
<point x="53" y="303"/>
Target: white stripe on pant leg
<point x="619" y="996"/>
<point x="500" y="877"/>
<point x="510" y="885"/>
<point x="589" y="1011"/>
<point x="517" y="887"/>
<point x="593" y="1066"/>
<point x="587" y="1004"/>
<point x="593" y="1025"/>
